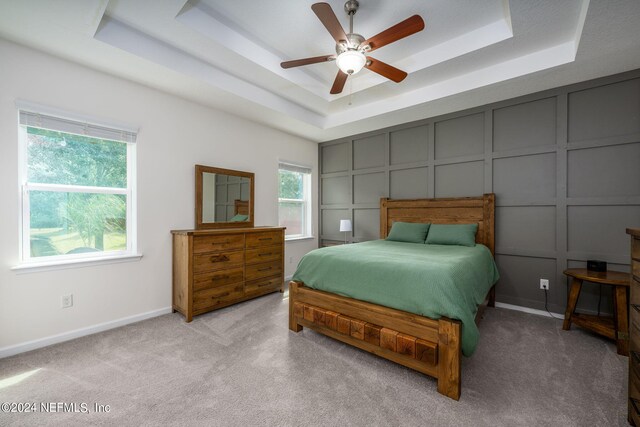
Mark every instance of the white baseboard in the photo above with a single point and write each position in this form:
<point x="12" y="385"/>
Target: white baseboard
<point x="528" y="310"/>
<point x="77" y="333"/>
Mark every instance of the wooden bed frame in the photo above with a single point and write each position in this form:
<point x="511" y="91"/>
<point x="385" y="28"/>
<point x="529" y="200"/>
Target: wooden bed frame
<point x="430" y="346"/>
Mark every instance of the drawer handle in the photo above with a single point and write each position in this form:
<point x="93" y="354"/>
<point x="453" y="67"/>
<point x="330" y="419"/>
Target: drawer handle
<point x="226" y="242"/>
<point x="264" y="284"/>
<point x="265" y="254"/>
<point x="265" y="238"/>
<point x="265" y="269"/>
<point x="220" y="296"/>
<point x="219" y="258"/>
<point x="214" y="278"/>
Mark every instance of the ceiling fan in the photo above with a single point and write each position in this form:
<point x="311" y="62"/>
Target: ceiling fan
<point x="352" y="49"/>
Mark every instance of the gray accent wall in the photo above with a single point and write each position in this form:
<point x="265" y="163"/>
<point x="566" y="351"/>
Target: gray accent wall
<point x="564" y="165"/>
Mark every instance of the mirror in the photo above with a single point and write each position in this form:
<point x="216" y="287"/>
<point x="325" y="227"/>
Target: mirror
<point x="224" y="198"/>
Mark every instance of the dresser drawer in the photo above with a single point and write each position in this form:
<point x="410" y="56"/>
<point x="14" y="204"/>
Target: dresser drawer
<point x="217" y="243"/>
<point x="216" y="261"/>
<point x="634" y="291"/>
<point x="634" y="395"/>
<point x="635" y="267"/>
<point x="258" y="271"/>
<point x="634" y="312"/>
<point x="634" y="327"/>
<point x="266" y="238"/>
<point x="634" y="366"/>
<point x="210" y="298"/>
<point x="264" y="254"/>
<point x="634" y="408"/>
<point x="635" y="248"/>
<point x="633" y="383"/>
<point x="218" y="278"/>
<point x="263" y="286"/>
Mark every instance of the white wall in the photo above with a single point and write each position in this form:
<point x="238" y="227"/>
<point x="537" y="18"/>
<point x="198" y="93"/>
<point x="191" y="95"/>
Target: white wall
<point x="174" y="135"/>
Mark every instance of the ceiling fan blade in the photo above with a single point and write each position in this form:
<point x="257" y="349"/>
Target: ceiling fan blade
<point x="325" y="14"/>
<point x="399" y="31"/>
<point x="385" y="70"/>
<point x="307" y="61"/>
<point x="339" y="82"/>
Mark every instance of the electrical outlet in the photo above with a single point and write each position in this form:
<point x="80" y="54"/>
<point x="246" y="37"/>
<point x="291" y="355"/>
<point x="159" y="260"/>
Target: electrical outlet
<point x="290" y="260"/>
<point x="544" y="284"/>
<point x="67" y="301"/>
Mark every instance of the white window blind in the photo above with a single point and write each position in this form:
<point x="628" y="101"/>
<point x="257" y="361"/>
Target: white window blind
<point x="43" y="121"/>
<point x="294" y="168"/>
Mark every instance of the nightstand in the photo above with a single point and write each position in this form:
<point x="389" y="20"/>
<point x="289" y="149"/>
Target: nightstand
<point x="616" y="327"/>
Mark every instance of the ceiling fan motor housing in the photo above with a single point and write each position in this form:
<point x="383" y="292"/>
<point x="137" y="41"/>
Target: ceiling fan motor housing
<point x="353" y="43"/>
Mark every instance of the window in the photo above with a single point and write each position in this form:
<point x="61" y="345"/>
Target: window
<point x="294" y="200"/>
<point x="78" y="198"/>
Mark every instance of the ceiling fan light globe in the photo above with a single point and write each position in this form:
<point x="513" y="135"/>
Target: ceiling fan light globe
<point x="351" y="61"/>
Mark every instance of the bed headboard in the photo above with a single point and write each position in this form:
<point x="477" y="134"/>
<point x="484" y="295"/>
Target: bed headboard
<point x="459" y="210"/>
<point x="241" y="207"/>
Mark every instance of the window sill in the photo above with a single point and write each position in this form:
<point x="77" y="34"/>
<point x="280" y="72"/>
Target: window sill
<point x="297" y="239"/>
<point x="34" y="267"/>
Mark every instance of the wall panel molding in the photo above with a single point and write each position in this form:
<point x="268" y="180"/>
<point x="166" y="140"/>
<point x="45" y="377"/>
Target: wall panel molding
<point x="550" y="157"/>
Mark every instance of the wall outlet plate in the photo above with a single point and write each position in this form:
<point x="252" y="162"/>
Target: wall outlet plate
<point x="67" y="301"/>
<point x="544" y="284"/>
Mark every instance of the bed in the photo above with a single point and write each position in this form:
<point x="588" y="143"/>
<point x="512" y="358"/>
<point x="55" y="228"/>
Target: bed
<point x="429" y="345"/>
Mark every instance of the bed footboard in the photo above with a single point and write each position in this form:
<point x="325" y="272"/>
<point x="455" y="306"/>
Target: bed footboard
<point x="430" y="346"/>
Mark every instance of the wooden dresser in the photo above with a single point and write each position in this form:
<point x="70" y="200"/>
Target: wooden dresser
<point x="216" y="268"/>
<point x="634" y="339"/>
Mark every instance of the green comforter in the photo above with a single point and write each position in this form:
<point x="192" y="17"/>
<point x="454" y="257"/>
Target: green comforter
<point x="429" y="280"/>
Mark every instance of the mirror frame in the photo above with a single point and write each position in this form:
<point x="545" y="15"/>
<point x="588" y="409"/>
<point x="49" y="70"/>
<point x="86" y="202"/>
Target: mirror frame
<point x="200" y="225"/>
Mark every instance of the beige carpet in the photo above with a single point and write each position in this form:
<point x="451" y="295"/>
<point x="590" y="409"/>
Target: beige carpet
<point x="242" y="366"/>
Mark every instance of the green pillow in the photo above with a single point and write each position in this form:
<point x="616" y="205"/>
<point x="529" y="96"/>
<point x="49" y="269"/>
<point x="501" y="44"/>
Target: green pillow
<point x="411" y="232"/>
<point x="452" y="234"/>
<point x="239" y="218"/>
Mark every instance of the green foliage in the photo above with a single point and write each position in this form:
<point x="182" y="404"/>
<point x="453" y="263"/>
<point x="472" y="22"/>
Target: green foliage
<point x="91" y="215"/>
<point x="44" y="209"/>
<point x="291" y="185"/>
<point x="62" y="158"/>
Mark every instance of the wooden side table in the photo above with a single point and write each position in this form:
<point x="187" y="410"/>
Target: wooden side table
<point x="616" y="328"/>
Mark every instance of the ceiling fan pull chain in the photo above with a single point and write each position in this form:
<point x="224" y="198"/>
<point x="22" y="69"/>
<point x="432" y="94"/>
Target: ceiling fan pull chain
<point x="350" y="91"/>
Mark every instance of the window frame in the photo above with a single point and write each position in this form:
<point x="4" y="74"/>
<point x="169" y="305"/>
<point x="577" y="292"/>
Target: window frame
<point x="25" y="258"/>
<point x="306" y="201"/>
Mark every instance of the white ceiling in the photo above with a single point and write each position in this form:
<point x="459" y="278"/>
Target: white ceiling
<point x="226" y="54"/>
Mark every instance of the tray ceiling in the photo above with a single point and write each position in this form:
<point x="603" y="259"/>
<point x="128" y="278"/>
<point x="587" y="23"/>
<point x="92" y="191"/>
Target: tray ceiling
<point x="226" y="54"/>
